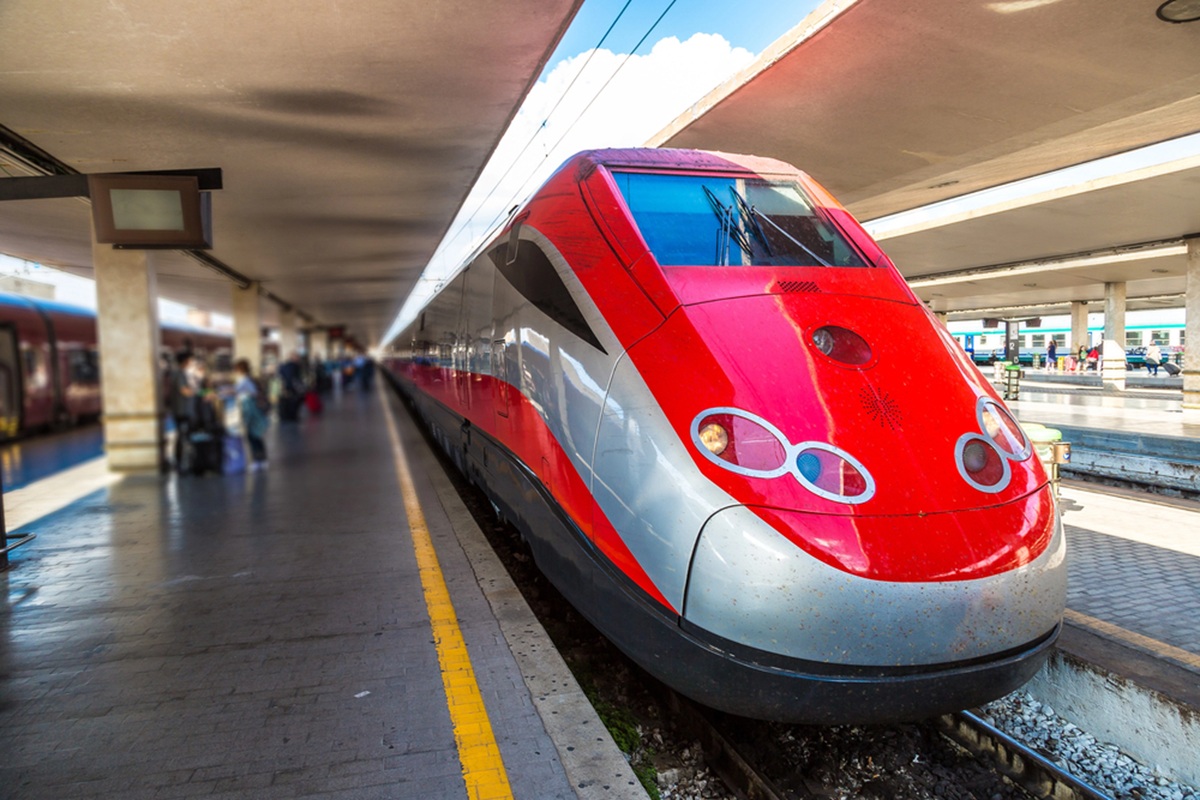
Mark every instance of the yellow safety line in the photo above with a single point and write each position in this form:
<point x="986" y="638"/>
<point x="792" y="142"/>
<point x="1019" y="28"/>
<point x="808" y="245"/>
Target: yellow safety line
<point x="1163" y="649"/>
<point x="482" y="767"/>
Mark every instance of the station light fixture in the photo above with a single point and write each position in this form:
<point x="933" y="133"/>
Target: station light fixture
<point x="150" y="211"/>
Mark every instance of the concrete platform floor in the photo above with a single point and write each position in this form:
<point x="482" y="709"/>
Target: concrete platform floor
<point x="266" y="635"/>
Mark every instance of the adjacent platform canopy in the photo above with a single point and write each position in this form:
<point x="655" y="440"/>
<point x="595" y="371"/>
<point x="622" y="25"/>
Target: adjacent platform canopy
<point x="348" y="133"/>
<point x="895" y="104"/>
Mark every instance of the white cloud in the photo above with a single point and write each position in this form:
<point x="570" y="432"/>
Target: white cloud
<point x="645" y="94"/>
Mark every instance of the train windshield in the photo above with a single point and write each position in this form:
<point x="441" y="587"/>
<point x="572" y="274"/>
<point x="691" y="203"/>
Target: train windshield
<point x="722" y="220"/>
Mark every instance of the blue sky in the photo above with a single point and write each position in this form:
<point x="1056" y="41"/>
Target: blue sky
<point x="751" y="25"/>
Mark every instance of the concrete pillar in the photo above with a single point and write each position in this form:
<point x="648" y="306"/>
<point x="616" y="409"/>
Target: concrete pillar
<point x="130" y="378"/>
<point x="1113" y="350"/>
<point x="289" y="338"/>
<point x="1191" y="323"/>
<point x="318" y="344"/>
<point x="942" y="317"/>
<point x="247" y="326"/>
<point x="1079" y="331"/>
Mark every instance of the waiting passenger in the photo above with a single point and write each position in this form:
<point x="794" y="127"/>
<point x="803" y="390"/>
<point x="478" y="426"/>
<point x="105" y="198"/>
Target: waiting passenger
<point x="1153" y="358"/>
<point x="250" y="405"/>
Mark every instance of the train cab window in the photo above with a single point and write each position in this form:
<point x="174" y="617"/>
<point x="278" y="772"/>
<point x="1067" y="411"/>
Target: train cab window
<point x="720" y="220"/>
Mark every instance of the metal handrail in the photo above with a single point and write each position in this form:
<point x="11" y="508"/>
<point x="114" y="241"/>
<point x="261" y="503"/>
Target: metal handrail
<point x="21" y="539"/>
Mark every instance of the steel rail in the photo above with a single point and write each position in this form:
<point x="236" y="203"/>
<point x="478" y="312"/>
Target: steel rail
<point x="1015" y="760"/>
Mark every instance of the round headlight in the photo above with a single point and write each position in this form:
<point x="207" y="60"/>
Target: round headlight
<point x="981" y="463"/>
<point x="842" y="344"/>
<point x="714" y="438"/>
<point x="975" y="457"/>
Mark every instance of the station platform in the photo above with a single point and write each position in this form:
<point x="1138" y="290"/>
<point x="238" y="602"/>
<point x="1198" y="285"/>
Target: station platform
<point x="1134" y="587"/>
<point x="282" y="634"/>
<point x="1139" y="437"/>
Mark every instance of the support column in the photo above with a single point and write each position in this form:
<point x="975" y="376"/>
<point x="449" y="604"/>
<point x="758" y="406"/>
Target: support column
<point x="942" y="317"/>
<point x="1113" y="350"/>
<point x="131" y="383"/>
<point x="1191" y="323"/>
<point x="247" y="327"/>
<point x="289" y="339"/>
<point x="1079" y="331"/>
<point x="318" y="344"/>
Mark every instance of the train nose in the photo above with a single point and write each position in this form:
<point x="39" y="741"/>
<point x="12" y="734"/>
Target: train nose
<point x="751" y="586"/>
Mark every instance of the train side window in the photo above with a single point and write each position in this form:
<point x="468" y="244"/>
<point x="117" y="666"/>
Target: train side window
<point x="35" y="371"/>
<point x="84" y="366"/>
<point x="535" y="278"/>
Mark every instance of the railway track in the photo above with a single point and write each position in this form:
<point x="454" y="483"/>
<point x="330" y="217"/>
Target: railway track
<point x="1028" y="768"/>
<point x="737" y="765"/>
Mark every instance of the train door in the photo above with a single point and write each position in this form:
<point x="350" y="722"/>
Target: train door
<point x="10" y="383"/>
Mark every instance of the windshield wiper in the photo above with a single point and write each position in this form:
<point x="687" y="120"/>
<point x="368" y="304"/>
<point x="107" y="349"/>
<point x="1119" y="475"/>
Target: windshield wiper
<point x="729" y="229"/>
<point x="749" y="212"/>
<point x="756" y="214"/>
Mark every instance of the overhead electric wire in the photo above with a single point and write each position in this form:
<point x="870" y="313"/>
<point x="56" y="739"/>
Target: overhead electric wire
<point x="550" y="113"/>
<point x="516" y="159"/>
<point x="579" y="116"/>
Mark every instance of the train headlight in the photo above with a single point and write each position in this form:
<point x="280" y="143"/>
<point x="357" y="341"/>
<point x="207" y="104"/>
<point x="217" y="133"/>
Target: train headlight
<point x="1003" y="430"/>
<point x="715" y="438"/>
<point x="747" y="444"/>
<point x="980" y="463"/>
<point x="834" y="474"/>
<point x="842" y="344"/>
<point x="741" y="442"/>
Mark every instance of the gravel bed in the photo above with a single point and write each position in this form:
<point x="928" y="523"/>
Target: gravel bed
<point x="1102" y="765"/>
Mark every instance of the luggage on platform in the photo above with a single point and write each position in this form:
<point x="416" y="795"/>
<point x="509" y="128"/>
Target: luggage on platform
<point x="202" y="452"/>
<point x="1172" y="369"/>
<point x="289" y="407"/>
<point x="312" y="401"/>
<point x="234" y="461"/>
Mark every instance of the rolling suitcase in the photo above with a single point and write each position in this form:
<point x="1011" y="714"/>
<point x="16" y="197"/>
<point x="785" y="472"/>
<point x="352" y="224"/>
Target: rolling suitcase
<point x="289" y="407"/>
<point x="206" y="455"/>
<point x="312" y="401"/>
<point x="1172" y="369"/>
<point x="234" y="460"/>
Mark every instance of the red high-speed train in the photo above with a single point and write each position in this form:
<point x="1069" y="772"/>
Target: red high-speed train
<point x="690" y="379"/>
<point x="50" y="362"/>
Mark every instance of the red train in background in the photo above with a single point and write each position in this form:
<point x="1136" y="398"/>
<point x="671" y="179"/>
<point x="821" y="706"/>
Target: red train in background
<point x="50" y="362"/>
<point x="687" y="378"/>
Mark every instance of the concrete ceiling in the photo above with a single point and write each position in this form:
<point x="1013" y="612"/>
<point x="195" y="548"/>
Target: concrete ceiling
<point x="895" y="104"/>
<point x="348" y="133"/>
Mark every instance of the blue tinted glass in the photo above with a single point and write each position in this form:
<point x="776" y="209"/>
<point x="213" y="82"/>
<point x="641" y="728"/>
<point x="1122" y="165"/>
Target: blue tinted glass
<point x="727" y="221"/>
<point x="674" y="215"/>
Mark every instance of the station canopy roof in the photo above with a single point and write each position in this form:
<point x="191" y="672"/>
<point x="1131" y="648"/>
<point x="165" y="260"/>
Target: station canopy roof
<point x="348" y="133"/>
<point x="896" y="104"/>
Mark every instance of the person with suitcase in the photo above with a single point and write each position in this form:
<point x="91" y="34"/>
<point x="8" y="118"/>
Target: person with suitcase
<point x="204" y="442"/>
<point x="291" y="388"/>
<point x="1153" y="358"/>
<point x="253" y="407"/>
